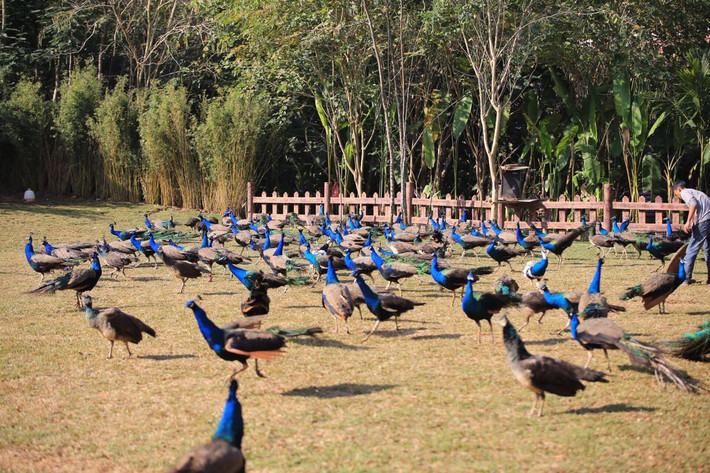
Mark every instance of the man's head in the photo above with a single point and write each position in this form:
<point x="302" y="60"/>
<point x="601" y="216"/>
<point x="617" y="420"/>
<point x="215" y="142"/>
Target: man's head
<point x="678" y="187"/>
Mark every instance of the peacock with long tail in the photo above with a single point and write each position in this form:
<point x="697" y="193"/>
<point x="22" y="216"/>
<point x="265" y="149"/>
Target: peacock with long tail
<point x="337" y="298"/>
<point x="655" y="290"/>
<point x="115" y="325"/>
<point x="692" y="346"/>
<point x="79" y="280"/>
<point x="542" y="374"/>
<point x="236" y="344"/>
<point x="224" y="453"/>
<point x="604" y="334"/>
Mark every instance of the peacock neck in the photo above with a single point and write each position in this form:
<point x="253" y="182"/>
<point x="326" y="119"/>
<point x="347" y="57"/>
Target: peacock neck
<point x="95" y="264"/>
<point x="331" y="276"/>
<point x="514" y="346"/>
<point x="29" y="251"/>
<point x="231" y="427"/>
<point x="91" y="313"/>
<point x="368" y="294"/>
<point x="595" y="285"/>
<point x="213" y="334"/>
<point x="574" y="323"/>
<point x="376" y="258"/>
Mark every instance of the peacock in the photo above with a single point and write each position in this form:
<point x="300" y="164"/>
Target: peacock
<point x="115" y="259"/>
<point x="593" y="304"/>
<point x="80" y="280"/>
<point x="655" y="290"/>
<point x="361" y="264"/>
<point x="43" y="264"/>
<point x="124" y="234"/>
<point x="336" y="298"/>
<point x="115" y="325"/>
<point x="393" y="272"/>
<point x="534" y="303"/>
<point x="692" y="346"/>
<point x="501" y="254"/>
<point x="535" y="270"/>
<point x="80" y="252"/>
<point x="660" y="249"/>
<point x="183" y="270"/>
<point x="482" y="305"/>
<point x="271" y="281"/>
<point x="542" y="374"/>
<point x="604" y="334"/>
<point x="504" y="236"/>
<point x="469" y="242"/>
<point x="224" y="453"/>
<point x="143" y="246"/>
<point x="558" y="245"/>
<point x="454" y="278"/>
<point x="384" y="306"/>
<point x="527" y="243"/>
<point x="236" y="344"/>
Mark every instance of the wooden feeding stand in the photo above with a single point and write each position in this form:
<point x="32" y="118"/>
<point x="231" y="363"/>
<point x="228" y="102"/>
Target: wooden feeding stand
<point x="510" y="195"/>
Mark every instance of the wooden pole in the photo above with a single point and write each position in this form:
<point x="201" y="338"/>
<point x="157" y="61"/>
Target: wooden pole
<point x="608" y="207"/>
<point x="326" y="197"/>
<point x="409" y="210"/>
<point x="250" y="200"/>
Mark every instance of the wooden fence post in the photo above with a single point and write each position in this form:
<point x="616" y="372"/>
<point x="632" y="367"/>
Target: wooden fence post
<point x="500" y="214"/>
<point x="250" y="200"/>
<point x="326" y="197"/>
<point x="409" y="207"/>
<point x="608" y="207"/>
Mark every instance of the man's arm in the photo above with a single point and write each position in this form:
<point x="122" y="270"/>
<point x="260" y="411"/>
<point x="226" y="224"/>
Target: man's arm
<point x="689" y="223"/>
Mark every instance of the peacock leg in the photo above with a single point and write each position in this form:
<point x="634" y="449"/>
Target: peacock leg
<point x="528" y="314"/>
<point x="129" y="350"/>
<point x="256" y="368"/>
<point x="110" y="350"/>
<point x="539" y="321"/>
<point x="463" y="253"/>
<point x="399" y="285"/>
<point x="377" y="324"/>
<point x="396" y="325"/>
<point x="479" y="331"/>
<point x="335" y="319"/>
<point x="606" y="355"/>
<point x="542" y="404"/>
<point x="347" y="329"/>
<point x="491" y="327"/>
<point x="454" y="298"/>
<point x="534" y="405"/>
<point x="372" y="278"/>
<point x="237" y="371"/>
<point x="184" y="281"/>
<point x="495" y="270"/>
<point x="569" y="321"/>
<point x="589" y="358"/>
<point x="510" y="266"/>
<point x="359" y="310"/>
<point x="559" y="261"/>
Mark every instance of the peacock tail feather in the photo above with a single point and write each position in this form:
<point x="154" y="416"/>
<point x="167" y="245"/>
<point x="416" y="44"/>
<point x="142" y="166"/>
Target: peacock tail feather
<point x="692" y="346"/>
<point x="631" y="293"/>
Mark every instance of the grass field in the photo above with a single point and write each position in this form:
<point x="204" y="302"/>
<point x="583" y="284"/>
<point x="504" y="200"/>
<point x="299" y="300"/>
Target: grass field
<point x="428" y="398"/>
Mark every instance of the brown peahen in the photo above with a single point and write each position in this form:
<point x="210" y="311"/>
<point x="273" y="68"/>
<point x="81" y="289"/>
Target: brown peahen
<point x="542" y="374"/>
<point x="183" y="270"/>
<point x="115" y="325"/>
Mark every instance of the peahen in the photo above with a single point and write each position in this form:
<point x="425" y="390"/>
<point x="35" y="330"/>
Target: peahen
<point x="604" y="334"/>
<point x="558" y="245"/>
<point x="655" y="290"/>
<point x="43" y="264"/>
<point x="393" y="272"/>
<point x="115" y="259"/>
<point x="384" y="306"/>
<point x="503" y="254"/>
<point x="535" y="270"/>
<point x="115" y="325"/>
<point x="482" y="305"/>
<point x="542" y="374"/>
<point x="184" y="270"/>
<point x="236" y="344"/>
<point x="224" y="453"/>
<point x="534" y="303"/>
<point x="80" y="280"/>
<point x="454" y="278"/>
<point x="336" y="298"/>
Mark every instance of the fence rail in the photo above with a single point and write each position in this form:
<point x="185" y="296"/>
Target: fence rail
<point x="562" y="214"/>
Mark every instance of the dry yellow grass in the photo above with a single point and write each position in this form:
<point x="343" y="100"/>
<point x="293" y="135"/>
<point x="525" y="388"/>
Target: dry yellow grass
<point x="427" y="398"/>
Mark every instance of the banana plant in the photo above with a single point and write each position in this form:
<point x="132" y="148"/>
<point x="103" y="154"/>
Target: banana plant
<point x="633" y="110"/>
<point x="556" y="154"/>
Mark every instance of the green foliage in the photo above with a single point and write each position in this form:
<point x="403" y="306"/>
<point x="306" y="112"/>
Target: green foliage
<point x="170" y="172"/>
<point x="228" y="143"/>
<point x="76" y="164"/>
<point x="115" y="130"/>
<point x="25" y="137"/>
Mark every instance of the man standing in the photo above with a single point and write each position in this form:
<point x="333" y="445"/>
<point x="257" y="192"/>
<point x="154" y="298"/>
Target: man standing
<point x="698" y="225"/>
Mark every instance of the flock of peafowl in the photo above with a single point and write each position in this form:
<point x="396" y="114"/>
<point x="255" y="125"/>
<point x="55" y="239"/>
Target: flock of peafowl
<point x="297" y="253"/>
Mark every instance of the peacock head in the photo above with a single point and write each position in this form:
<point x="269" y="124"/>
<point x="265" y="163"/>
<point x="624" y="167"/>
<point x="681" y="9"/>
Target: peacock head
<point x="471" y="277"/>
<point x="502" y="320"/>
<point x="87" y="300"/>
<point x="190" y="304"/>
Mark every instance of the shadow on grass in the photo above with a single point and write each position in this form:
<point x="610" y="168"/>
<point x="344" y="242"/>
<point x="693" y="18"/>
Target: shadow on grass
<point x="326" y="343"/>
<point x="548" y="342"/>
<point x="302" y="307"/>
<point x="167" y="357"/>
<point x="699" y="312"/>
<point x="145" y="278"/>
<point x="619" y="407"/>
<point x="338" y="390"/>
<point x="443" y="336"/>
<point x="395" y="333"/>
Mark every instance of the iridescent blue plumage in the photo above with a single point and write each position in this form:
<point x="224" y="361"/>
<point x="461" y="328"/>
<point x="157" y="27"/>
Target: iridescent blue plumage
<point x="231" y="426"/>
<point x="594" y="286"/>
<point x="482" y="305"/>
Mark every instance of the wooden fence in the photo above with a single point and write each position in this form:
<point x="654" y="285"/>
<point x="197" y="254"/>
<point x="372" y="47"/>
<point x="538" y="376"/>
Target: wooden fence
<point x="562" y="214"/>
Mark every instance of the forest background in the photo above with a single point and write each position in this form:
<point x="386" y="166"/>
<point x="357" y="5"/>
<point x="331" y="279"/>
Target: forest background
<point x="181" y="102"/>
